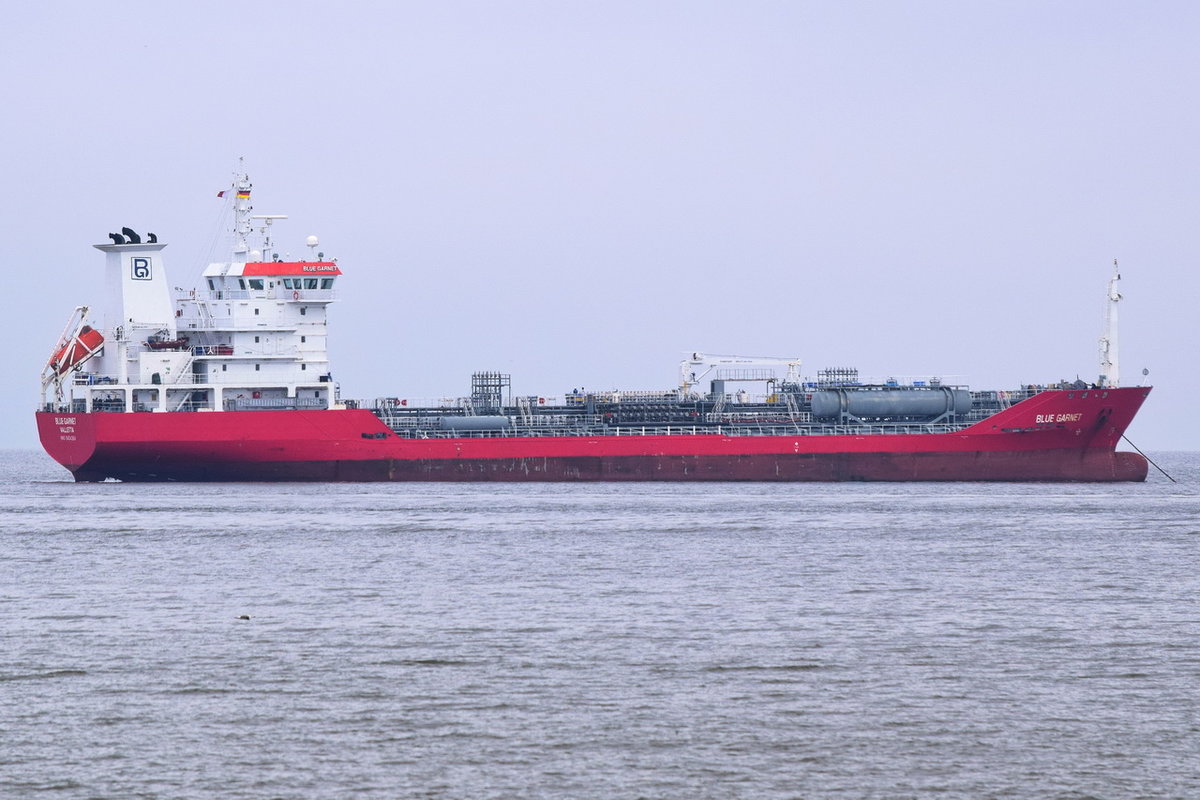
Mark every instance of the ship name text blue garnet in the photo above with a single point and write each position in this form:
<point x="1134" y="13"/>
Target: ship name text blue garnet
<point x="1043" y="419"/>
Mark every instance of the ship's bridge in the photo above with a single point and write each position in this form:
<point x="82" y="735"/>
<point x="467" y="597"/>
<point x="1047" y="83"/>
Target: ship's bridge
<point x="285" y="280"/>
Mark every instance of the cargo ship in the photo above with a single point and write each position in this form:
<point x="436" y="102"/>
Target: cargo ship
<point x="231" y="381"/>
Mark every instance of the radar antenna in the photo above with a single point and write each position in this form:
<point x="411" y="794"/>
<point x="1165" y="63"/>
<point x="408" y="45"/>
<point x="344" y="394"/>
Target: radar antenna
<point x="268" y="247"/>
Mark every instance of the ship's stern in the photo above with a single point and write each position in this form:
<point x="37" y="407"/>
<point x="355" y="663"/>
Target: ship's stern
<point x="70" y="439"/>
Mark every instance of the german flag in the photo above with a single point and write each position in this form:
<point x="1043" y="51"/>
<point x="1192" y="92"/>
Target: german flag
<point x="243" y="194"/>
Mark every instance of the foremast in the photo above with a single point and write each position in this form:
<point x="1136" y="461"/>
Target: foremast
<point x="1110" y="367"/>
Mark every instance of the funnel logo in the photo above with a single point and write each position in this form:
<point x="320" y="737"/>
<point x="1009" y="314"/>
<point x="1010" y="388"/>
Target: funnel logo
<point x="141" y="269"/>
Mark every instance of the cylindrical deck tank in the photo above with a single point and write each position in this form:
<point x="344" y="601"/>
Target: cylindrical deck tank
<point x="929" y="403"/>
<point x="486" y="423"/>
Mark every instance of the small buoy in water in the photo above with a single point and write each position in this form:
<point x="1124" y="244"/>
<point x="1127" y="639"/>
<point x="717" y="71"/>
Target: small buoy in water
<point x="244" y="616"/>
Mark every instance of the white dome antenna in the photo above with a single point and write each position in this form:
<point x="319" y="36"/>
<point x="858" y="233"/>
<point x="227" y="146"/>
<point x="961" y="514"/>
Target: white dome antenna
<point x="312" y="242"/>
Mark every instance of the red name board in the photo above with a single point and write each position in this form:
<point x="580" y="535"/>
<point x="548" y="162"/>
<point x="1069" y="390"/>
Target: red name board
<point x="291" y="268"/>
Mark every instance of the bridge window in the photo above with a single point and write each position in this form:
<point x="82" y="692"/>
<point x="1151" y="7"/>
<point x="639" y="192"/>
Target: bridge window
<point x="242" y="284"/>
<point x="310" y="283"/>
<point x="327" y="283"/>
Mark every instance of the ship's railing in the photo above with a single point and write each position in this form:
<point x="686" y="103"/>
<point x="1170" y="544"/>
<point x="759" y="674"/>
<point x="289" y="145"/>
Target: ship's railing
<point x="277" y="351"/>
<point x="311" y="295"/>
<point x="213" y="350"/>
<point x="92" y="379"/>
<point x="678" y="430"/>
<point x="75" y="405"/>
<point x="1010" y="397"/>
<point x="578" y="398"/>
<point x="539" y="422"/>
<point x="778" y="416"/>
<point x="400" y="405"/>
<point x="735" y="407"/>
<point x="274" y="403"/>
<point x="987" y="403"/>
<point x="278" y="293"/>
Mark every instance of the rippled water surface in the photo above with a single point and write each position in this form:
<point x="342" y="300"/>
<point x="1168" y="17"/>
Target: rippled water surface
<point x="599" y="641"/>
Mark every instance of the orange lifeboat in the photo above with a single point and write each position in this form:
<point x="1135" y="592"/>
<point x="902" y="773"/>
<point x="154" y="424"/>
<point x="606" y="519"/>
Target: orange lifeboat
<point x="80" y="348"/>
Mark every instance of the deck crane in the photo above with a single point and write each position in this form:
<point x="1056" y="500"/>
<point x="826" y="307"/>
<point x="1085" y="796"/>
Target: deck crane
<point x="697" y="366"/>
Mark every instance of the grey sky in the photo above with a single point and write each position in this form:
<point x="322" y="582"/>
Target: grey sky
<point x="579" y="193"/>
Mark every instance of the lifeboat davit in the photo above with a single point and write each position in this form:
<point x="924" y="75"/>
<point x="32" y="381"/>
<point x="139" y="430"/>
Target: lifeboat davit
<point x="82" y="346"/>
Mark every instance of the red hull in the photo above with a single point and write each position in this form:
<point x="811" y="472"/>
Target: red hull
<point x="1055" y="436"/>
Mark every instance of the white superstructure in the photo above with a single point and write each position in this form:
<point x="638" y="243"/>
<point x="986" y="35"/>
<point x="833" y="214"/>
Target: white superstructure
<point x="251" y="336"/>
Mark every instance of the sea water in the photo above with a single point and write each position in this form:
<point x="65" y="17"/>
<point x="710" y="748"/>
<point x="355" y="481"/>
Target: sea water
<point x="598" y="640"/>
